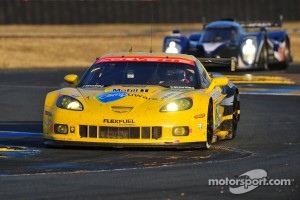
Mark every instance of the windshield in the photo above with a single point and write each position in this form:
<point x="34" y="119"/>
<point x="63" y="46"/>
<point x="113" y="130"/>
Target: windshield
<point x="140" y="73"/>
<point x="213" y="35"/>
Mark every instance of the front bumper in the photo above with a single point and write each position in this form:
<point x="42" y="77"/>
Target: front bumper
<point x="116" y="131"/>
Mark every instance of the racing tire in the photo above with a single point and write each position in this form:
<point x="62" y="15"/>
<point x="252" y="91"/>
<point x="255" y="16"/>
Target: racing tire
<point x="232" y="124"/>
<point x="263" y="58"/>
<point x="210" y="127"/>
<point x="287" y="58"/>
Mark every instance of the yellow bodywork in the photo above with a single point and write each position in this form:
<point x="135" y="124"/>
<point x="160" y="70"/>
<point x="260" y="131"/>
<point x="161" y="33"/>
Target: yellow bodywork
<point x="137" y="109"/>
<point x="135" y="117"/>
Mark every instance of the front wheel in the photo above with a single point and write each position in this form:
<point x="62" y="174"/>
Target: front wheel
<point x="263" y="58"/>
<point x="235" y="118"/>
<point x="210" y="127"/>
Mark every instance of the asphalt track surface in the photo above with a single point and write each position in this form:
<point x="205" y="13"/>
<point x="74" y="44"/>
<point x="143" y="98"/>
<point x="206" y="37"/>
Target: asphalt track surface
<point x="268" y="139"/>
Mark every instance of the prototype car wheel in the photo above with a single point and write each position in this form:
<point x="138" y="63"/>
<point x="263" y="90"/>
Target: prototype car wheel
<point x="263" y="58"/>
<point x="287" y="56"/>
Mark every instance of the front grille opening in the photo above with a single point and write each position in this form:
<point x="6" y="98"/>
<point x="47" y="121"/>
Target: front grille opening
<point x="156" y="132"/>
<point x="93" y="131"/>
<point x="120" y="132"/>
<point x="108" y="132"/>
<point x="83" y="131"/>
<point x="146" y="132"/>
<point x="134" y="132"/>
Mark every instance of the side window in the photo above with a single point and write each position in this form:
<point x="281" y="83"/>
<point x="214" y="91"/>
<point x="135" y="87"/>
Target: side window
<point x="204" y="77"/>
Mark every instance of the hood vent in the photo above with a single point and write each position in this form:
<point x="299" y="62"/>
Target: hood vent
<point x="121" y="109"/>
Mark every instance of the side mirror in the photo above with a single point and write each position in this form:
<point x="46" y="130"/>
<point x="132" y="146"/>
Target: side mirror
<point x="215" y="82"/>
<point x="72" y="79"/>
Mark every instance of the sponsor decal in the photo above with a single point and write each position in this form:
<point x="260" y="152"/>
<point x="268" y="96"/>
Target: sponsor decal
<point x="218" y="115"/>
<point x="118" y="121"/>
<point x="142" y="96"/>
<point x="200" y="127"/>
<point x="130" y="90"/>
<point x="146" y="59"/>
<point x="169" y="94"/>
<point x="74" y="95"/>
<point x="144" y="90"/>
<point x="216" y="95"/>
<point x="72" y="129"/>
<point x="181" y="87"/>
<point x="93" y="86"/>
<point x="201" y="115"/>
<point x="111" y="96"/>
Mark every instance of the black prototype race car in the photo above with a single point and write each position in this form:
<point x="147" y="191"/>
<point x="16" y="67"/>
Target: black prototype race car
<point x="253" y="45"/>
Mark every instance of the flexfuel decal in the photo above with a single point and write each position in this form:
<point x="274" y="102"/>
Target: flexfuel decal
<point x="118" y="121"/>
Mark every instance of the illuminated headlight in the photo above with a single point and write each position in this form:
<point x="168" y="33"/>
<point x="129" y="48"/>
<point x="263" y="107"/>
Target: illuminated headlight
<point x="173" y="48"/>
<point x="178" y="105"/>
<point x="249" y="51"/>
<point x="69" y="103"/>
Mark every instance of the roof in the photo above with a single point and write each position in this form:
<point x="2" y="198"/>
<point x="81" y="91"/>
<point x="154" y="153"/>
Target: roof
<point x="223" y="24"/>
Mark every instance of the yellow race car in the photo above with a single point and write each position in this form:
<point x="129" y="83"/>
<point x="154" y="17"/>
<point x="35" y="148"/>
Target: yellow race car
<point x="142" y="100"/>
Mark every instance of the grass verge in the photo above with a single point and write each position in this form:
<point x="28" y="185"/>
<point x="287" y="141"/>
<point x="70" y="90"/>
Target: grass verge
<point x="27" y="46"/>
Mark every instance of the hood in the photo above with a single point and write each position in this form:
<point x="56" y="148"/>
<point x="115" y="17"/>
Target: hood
<point x="125" y="99"/>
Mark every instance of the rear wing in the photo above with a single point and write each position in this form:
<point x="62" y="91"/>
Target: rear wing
<point x="263" y="24"/>
<point x="212" y="63"/>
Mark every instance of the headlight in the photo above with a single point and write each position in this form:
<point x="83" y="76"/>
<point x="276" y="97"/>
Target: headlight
<point x="69" y="103"/>
<point x="249" y="51"/>
<point x="178" y="105"/>
<point x="173" y="48"/>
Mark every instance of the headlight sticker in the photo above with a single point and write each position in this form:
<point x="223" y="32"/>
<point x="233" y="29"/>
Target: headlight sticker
<point x="75" y="95"/>
<point x="69" y="103"/>
<point x="170" y="94"/>
<point x="178" y="105"/>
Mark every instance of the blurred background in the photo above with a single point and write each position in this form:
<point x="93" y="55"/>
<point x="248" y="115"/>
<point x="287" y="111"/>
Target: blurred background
<point x="143" y="11"/>
<point x="47" y="33"/>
